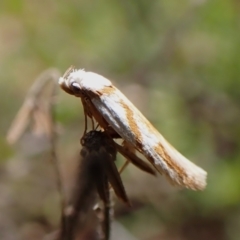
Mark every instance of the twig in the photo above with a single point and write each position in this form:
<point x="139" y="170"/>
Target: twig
<point x="96" y="169"/>
<point x="23" y="116"/>
<point x="32" y="108"/>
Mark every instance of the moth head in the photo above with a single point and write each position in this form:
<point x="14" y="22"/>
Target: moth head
<point x="71" y="81"/>
<point x="80" y="83"/>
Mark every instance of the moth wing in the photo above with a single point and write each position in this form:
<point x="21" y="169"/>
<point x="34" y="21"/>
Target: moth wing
<point x="133" y="127"/>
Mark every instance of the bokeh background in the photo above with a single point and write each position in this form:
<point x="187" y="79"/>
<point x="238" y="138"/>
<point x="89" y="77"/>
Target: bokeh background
<point x="178" y="61"/>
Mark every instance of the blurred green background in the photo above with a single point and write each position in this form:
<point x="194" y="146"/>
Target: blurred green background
<point x="178" y="61"/>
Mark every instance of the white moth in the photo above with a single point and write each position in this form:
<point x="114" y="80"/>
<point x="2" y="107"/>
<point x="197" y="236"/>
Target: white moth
<point x="113" y="110"/>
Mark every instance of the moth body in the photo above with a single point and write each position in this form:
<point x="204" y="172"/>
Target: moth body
<point x="133" y="127"/>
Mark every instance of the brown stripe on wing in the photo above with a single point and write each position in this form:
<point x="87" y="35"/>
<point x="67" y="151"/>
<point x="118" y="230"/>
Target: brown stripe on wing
<point x="169" y="161"/>
<point x="131" y="121"/>
<point x="195" y="180"/>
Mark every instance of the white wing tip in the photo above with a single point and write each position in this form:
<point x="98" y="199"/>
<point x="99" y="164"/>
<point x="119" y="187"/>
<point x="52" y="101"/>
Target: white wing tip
<point x="199" y="180"/>
<point x="195" y="179"/>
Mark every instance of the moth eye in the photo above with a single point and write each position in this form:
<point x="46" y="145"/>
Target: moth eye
<point x="75" y="87"/>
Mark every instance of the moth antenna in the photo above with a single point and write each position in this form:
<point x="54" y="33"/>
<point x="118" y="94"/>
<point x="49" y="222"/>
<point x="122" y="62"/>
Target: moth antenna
<point x="68" y="71"/>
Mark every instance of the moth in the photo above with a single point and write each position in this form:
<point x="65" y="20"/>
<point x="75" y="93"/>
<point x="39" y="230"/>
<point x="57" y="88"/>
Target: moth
<point x="120" y="118"/>
<point x="96" y="170"/>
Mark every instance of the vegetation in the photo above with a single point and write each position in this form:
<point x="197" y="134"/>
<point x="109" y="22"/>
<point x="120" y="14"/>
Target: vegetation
<point x="178" y="61"/>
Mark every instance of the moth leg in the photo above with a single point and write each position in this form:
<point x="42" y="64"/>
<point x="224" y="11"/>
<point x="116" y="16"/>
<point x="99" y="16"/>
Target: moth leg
<point x="134" y="159"/>
<point x="124" y="166"/>
<point x="98" y="125"/>
<point x="85" y="112"/>
<point x="92" y="120"/>
<point x="128" y="148"/>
